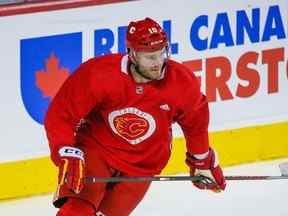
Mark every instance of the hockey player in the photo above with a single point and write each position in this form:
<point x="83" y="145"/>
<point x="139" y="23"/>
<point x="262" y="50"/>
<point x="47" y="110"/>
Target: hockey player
<point x="113" y="117"/>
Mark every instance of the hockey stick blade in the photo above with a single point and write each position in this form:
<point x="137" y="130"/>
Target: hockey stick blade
<point x="283" y="169"/>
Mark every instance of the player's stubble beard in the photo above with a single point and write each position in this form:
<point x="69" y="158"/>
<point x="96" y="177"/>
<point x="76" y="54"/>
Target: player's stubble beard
<point x="144" y="74"/>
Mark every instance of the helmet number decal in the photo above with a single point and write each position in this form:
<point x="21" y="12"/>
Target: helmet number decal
<point x="152" y="30"/>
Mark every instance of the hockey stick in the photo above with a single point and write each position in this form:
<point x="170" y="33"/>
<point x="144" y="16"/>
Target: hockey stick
<point x="283" y="169"/>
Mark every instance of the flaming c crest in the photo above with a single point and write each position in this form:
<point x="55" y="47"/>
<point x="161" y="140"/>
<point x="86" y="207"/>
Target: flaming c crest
<point x="131" y="126"/>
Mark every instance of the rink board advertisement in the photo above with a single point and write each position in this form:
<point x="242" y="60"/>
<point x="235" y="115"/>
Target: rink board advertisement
<point x="238" y="50"/>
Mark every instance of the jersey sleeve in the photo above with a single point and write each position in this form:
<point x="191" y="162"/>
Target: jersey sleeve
<point x="193" y="117"/>
<point x="76" y="98"/>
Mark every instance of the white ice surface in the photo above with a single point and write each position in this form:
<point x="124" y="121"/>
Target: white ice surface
<point x="241" y="198"/>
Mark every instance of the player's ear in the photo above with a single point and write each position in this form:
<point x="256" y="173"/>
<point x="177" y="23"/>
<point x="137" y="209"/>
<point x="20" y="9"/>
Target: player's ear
<point x="131" y="55"/>
<point x="168" y="51"/>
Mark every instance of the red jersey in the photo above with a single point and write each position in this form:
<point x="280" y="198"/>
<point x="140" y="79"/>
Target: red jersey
<point x="101" y="107"/>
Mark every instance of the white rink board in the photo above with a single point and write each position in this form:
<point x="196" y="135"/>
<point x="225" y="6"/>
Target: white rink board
<point x="181" y="198"/>
<point x="24" y="138"/>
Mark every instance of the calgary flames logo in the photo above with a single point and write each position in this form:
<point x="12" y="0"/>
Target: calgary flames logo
<point x="132" y="124"/>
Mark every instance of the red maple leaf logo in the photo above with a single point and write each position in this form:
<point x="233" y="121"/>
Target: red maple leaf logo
<point x="50" y="80"/>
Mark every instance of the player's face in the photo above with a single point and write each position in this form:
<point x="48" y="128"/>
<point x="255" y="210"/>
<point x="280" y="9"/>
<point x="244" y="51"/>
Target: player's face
<point x="150" y="63"/>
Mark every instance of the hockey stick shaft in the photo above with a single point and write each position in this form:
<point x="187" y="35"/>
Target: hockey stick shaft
<point x="91" y="179"/>
<point x="283" y="169"/>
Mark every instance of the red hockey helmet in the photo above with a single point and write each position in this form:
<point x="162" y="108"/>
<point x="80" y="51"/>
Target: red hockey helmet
<point x="145" y="35"/>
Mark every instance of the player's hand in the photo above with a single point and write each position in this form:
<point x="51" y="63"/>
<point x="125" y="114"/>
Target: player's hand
<point x="209" y="169"/>
<point x="71" y="168"/>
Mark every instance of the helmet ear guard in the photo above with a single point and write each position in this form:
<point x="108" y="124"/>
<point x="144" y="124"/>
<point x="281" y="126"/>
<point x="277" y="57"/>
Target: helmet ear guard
<point x="131" y="55"/>
<point x="167" y="51"/>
